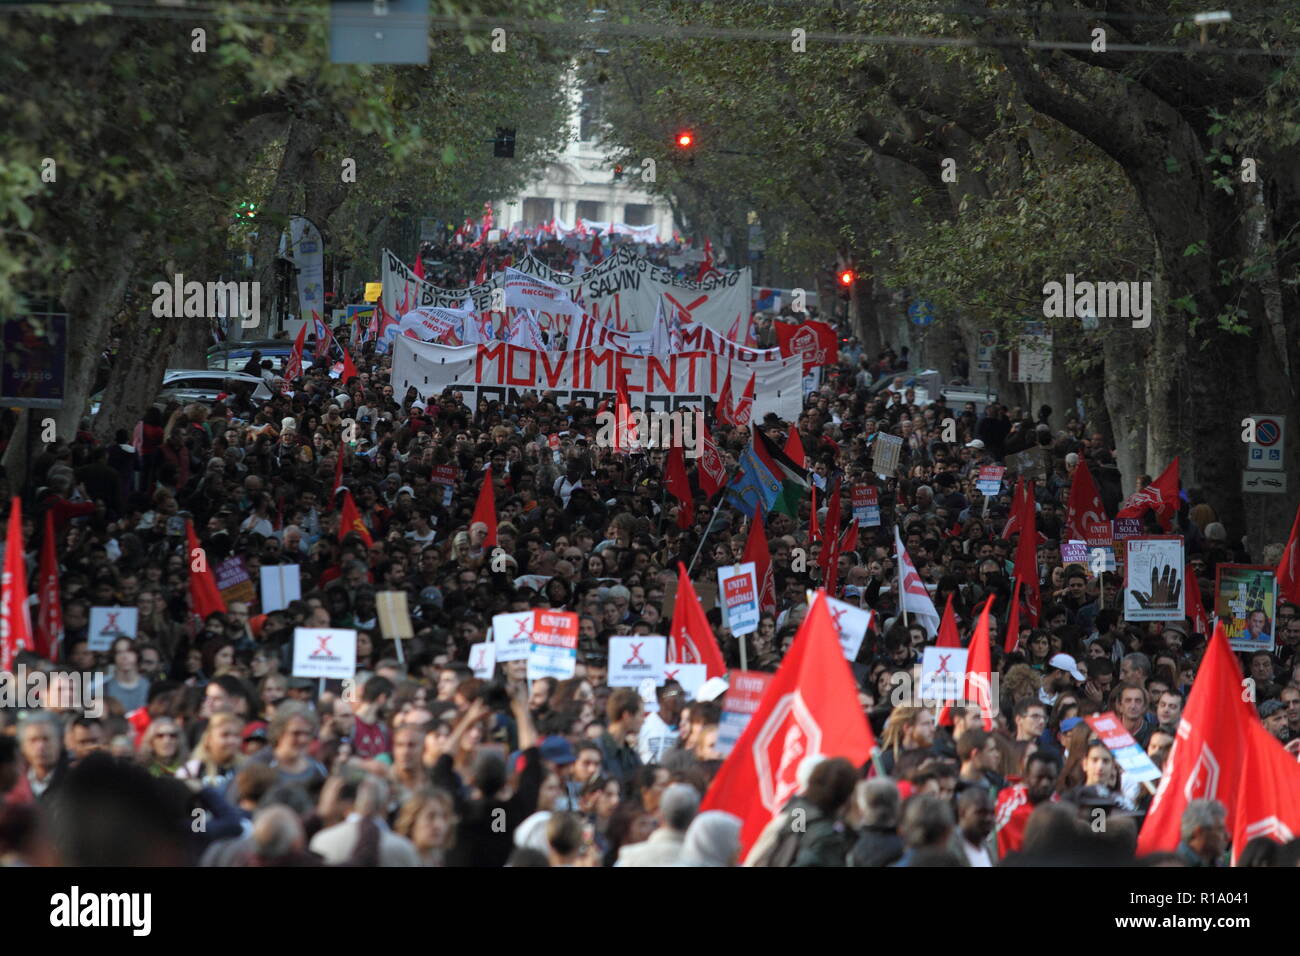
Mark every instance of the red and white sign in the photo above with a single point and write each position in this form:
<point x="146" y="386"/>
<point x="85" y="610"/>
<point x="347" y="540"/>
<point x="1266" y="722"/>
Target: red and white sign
<point x="738" y="588"/>
<point x="324" y="652"/>
<point x="633" y="659"/>
<point x="513" y="635"/>
<point x="554" y="651"/>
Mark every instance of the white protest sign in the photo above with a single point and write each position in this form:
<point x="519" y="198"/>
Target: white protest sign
<point x="513" y="635"/>
<point x="1153" y="579"/>
<point x="107" y="624"/>
<point x="943" y="670"/>
<point x="483" y="659"/>
<point x="690" y="676"/>
<point x="281" y="585"/>
<point x="738" y="593"/>
<point x="327" y="652"/>
<point x="852" y="623"/>
<point x="633" y="659"/>
<point x="888" y="448"/>
<point x="554" y="651"/>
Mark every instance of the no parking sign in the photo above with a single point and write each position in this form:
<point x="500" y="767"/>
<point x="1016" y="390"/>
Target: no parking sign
<point x="1266" y="452"/>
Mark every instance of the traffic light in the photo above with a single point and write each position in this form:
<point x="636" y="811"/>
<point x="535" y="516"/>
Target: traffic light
<point x="618" y="173"/>
<point x="846" y="277"/>
<point x="246" y="210"/>
<point x="685" y="139"/>
<point x="503" y="146"/>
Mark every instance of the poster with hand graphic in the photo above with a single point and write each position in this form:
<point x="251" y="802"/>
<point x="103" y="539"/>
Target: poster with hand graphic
<point x="1153" y="578"/>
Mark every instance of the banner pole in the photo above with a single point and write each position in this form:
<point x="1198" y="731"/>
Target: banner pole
<point x="709" y="528"/>
<point x="902" y="603"/>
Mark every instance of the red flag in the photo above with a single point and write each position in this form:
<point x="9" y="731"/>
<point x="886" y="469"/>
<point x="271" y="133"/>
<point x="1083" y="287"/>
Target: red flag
<point x="948" y="636"/>
<point x="815" y="341"/>
<point x="831" y="533"/>
<point x="418" y="268"/>
<point x="15" y="617"/>
<point x="978" y="686"/>
<point x="625" y="435"/>
<point x="350" y="520"/>
<point x="1084" y="506"/>
<point x="1013" y="620"/>
<point x="745" y="407"/>
<point x="294" y="368"/>
<point x="349" y="369"/>
<point x="712" y="471"/>
<point x="485" y="510"/>
<point x="849" y="540"/>
<point x="679" y="485"/>
<point x="205" y="599"/>
<point x="1288" y="569"/>
<point x="49" y="623"/>
<point x="1161" y="494"/>
<point x="706" y="265"/>
<point x="810" y="707"/>
<point x="1020" y="497"/>
<point x="756" y="550"/>
<point x="482" y="270"/>
<point x="691" y="639"/>
<point x="722" y="411"/>
<point x="597" y="254"/>
<point x="1268" y="793"/>
<point x="794" y="448"/>
<point x="323" y="335"/>
<point x="1207" y="756"/>
<point x="1192" y="606"/>
<point x="1026" y="566"/>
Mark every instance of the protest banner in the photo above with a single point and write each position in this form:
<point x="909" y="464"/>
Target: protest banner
<point x="281" y="585"/>
<point x="505" y="373"/>
<point x="1132" y="759"/>
<point x="852" y="623"/>
<point x="943" y="674"/>
<point x="513" y="634"/>
<point x="483" y="659"/>
<point x="745" y="691"/>
<point x="887" y="448"/>
<point x="989" y="482"/>
<point x="445" y="476"/>
<point x="866" y="505"/>
<point x="394" y="616"/>
<point x="554" y="649"/>
<point x="234" y="582"/>
<point x="738" y="589"/>
<point x="690" y="676"/>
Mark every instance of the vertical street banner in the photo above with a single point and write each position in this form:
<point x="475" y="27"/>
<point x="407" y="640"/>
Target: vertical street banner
<point x="738" y="591"/>
<point x="1245" y="600"/>
<point x="554" y="650"/>
<point x="35" y="365"/>
<point x="307" y="250"/>
<point x="1153" y="578"/>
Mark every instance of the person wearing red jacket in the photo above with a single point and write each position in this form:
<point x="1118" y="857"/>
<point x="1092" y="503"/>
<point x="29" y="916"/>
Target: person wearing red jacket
<point x="1017" y="802"/>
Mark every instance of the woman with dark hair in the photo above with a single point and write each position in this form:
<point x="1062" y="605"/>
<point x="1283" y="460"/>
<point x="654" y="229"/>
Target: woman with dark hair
<point x="558" y="593"/>
<point x="218" y="657"/>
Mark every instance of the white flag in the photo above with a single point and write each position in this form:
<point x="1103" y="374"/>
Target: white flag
<point x="913" y="597"/>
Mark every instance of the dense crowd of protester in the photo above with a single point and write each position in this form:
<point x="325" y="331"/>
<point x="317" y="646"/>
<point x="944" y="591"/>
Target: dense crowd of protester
<point x="210" y="751"/>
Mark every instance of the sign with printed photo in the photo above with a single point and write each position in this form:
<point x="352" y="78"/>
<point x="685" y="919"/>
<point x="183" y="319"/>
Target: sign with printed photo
<point x="1245" y="600"/>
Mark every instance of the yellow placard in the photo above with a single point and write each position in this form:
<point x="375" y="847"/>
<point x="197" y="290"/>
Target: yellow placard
<point x="373" y="290"/>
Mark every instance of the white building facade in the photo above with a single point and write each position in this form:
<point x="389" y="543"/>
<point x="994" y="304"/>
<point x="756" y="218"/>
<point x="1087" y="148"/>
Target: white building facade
<point x="581" y="183"/>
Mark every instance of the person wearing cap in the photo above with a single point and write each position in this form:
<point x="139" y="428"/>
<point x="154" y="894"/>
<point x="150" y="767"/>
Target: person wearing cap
<point x="1062" y="674"/>
<point x="1273" y="715"/>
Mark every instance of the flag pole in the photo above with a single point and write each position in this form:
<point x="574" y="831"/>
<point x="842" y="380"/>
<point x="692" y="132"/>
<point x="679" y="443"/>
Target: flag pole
<point x="902" y="550"/>
<point x="707" y="530"/>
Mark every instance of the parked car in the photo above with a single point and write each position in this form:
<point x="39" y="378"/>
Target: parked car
<point x="235" y="355"/>
<point x="187" y="385"/>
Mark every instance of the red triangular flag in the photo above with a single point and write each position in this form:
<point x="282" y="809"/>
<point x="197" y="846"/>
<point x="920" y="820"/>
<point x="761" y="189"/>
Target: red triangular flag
<point x="1161" y="494"/>
<point x="49" y="622"/>
<point x="485" y="511"/>
<point x="849" y="540"/>
<point x="350" y="520"/>
<point x="679" y="485"/>
<point x="756" y="550"/>
<point x="691" y="639"/>
<point x="1288" y="569"/>
<point x="745" y="407"/>
<point x="722" y="411"/>
<point x="1268" y="793"/>
<point x="978" y="683"/>
<point x="349" y="369"/>
<point x="1207" y="756"/>
<point x="205" y="599"/>
<point x="1013" y="620"/>
<point x="794" y="448"/>
<point x="294" y="369"/>
<point x="15" y="616"/>
<point x="809" y="708"/>
<point x="948" y="636"/>
<point x="712" y="470"/>
<point x="1026" y="566"/>
<point x="418" y="268"/>
<point x="1084" y="506"/>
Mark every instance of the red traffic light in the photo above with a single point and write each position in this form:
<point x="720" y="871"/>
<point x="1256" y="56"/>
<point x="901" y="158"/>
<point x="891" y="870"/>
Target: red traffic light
<point x="685" y="139"/>
<point x="846" y="277"/>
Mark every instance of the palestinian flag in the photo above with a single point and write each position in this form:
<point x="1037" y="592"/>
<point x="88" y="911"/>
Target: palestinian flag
<point x="768" y="479"/>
